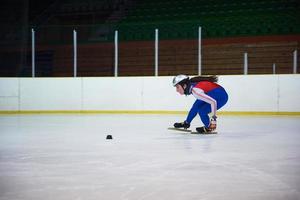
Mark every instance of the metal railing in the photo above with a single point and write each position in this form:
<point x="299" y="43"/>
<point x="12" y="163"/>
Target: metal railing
<point x="145" y="50"/>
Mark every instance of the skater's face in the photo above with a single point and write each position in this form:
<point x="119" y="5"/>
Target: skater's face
<point x="179" y="89"/>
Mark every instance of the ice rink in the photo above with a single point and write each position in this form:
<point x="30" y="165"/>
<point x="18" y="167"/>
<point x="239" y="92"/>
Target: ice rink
<point x="67" y="157"/>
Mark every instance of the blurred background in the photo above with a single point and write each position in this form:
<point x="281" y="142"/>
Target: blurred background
<point x="267" y="30"/>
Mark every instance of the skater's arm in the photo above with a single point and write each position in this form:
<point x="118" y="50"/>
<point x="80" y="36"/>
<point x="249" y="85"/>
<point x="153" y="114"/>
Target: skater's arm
<point x="199" y="94"/>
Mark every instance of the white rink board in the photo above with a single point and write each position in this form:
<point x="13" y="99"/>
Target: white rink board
<point x="289" y="93"/>
<point x="159" y="94"/>
<point x="9" y="94"/>
<point x="251" y="93"/>
<point x="50" y="93"/>
<point x="110" y="93"/>
<point x="254" y="93"/>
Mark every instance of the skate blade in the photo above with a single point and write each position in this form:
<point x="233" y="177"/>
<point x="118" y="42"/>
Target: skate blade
<point x="204" y="133"/>
<point x="191" y="132"/>
<point x="180" y="129"/>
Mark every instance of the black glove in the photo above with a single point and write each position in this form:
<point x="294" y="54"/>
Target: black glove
<point x="184" y="125"/>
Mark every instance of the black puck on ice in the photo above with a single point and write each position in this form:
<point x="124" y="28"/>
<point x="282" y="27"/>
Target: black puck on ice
<point x="109" y="137"/>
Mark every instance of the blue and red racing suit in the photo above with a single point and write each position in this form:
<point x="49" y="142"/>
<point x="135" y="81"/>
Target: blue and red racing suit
<point x="209" y="98"/>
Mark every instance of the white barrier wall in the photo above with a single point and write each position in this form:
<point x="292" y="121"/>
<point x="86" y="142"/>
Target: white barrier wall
<point x="254" y="93"/>
<point x="9" y="94"/>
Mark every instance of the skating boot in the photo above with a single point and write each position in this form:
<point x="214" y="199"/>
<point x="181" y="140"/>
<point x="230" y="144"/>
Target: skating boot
<point x="204" y="130"/>
<point x="184" y="125"/>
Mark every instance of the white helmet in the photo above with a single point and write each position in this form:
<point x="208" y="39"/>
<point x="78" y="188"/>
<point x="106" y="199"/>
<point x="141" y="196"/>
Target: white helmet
<point x="177" y="79"/>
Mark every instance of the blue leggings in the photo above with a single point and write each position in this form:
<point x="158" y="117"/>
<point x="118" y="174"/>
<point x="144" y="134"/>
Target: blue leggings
<point x="203" y="108"/>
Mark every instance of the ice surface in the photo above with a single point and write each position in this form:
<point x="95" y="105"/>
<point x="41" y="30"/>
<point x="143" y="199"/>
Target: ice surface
<point x="66" y="157"/>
